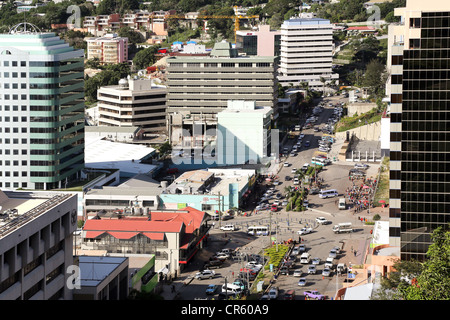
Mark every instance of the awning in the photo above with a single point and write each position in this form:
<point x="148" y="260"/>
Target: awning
<point x="122" y="235"/>
<point x="93" y="234"/>
<point x="154" y="235"/>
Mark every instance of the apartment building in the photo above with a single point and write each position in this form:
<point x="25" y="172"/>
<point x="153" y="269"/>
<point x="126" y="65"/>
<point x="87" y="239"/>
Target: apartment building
<point x="200" y="87"/>
<point x="419" y="65"/>
<point x="41" y="110"/>
<point x="306" y="52"/>
<point x="133" y="103"/>
<point x="108" y="49"/>
<point x="36" y="245"/>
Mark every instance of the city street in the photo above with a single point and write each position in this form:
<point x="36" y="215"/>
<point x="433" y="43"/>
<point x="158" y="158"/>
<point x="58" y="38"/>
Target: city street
<point x="318" y="243"/>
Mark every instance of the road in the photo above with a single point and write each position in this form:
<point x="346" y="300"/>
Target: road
<point x="318" y="243"/>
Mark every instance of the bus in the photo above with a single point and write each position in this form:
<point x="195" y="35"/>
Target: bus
<point x="328" y="193"/>
<point x="258" y="230"/>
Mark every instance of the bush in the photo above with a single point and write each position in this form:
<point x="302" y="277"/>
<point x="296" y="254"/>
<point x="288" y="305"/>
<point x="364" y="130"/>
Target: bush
<point x="376" y="217"/>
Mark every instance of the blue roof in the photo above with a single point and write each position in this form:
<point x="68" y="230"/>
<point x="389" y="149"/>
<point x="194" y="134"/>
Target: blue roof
<point x="305" y="21"/>
<point x="191" y="42"/>
<point x="178" y="42"/>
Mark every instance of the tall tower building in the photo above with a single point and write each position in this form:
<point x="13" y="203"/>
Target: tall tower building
<point x="41" y="110"/>
<point x="419" y="65"/>
<point x="306" y="52"/>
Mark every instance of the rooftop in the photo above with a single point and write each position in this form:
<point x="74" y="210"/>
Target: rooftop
<point x="305" y="21"/>
<point x="93" y="270"/>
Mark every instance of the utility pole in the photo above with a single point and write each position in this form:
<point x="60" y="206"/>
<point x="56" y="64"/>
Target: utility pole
<point x="220" y="216"/>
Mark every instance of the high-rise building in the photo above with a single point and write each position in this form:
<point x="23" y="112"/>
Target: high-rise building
<point x="306" y="52"/>
<point x="36" y="245"/>
<point x="200" y="87"/>
<point x="133" y="102"/>
<point x="419" y="65"/>
<point x="108" y="49"/>
<point x="42" y="110"/>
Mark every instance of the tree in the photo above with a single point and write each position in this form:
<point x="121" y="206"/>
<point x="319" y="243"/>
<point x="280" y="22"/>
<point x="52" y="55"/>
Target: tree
<point x="133" y="36"/>
<point x="374" y="77"/>
<point x="146" y="57"/>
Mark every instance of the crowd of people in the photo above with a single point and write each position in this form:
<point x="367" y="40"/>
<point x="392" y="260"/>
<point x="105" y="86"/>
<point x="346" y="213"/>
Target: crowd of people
<point x="360" y="194"/>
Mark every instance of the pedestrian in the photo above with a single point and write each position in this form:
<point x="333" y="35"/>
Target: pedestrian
<point x="354" y="252"/>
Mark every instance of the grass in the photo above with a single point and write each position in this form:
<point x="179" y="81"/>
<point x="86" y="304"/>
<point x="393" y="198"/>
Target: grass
<point x="356" y="121"/>
<point x="382" y="192"/>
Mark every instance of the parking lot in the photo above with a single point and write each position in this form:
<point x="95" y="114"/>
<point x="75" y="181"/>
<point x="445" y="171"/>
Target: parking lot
<point x="285" y="225"/>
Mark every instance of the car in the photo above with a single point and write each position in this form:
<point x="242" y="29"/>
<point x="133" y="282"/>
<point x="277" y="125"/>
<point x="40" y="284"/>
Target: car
<point x="316" y="261"/>
<point x="228" y="227"/>
<point x="249" y="271"/>
<point x="312" y="269"/>
<point x="337" y="249"/>
<point x="273" y="293"/>
<point x="274" y="208"/>
<point x="287" y="178"/>
<point x="276" y="202"/>
<point x="305" y="167"/>
<point x="306" y="203"/>
<point x="213" y="264"/>
<point x="321" y="220"/>
<point x="265" y="297"/>
<point x="329" y="263"/>
<point x="297" y="273"/>
<point x="356" y="173"/>
<point x="293" y="170"/>
<point x="284" y="203"/>
<point x="314" y="190"/>
<point x="286" y="164"/>
<point x="313" y="294"/>
<point x="302" y="282"/>
<point x="301" y="136"/>
<point x="293" y="153"/>
<point x="254" y="265"/>
<point x="362" y="166"/>
<point x="205" y="274"/>
<point x="326" y="272"/>
<point x="289" y="295"/>
<point x="222" y="255"/>
<point x="279" y="196"/>
<point x="304" y="231"/>
<point x="333" y="253"/>
<point x="284" y="270"/>
<point x="301" y="248"/>
<point x="212" y="289"/>
<point x="306" y="143"/>
<point x="324" y="149"/>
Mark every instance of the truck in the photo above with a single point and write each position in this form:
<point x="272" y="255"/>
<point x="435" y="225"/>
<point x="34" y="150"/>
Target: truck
<point x="313" y="294"/>
<point x="343" y="227"/>
<point x="342" y="205"/>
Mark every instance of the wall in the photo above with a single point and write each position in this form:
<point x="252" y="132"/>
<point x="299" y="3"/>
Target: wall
<point x="370" y="132"/>
<point x="359" y="108"/>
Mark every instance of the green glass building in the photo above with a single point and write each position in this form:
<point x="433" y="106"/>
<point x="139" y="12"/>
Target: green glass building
<point x="42" y="110"/>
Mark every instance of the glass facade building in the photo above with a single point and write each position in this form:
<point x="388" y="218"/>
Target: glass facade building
<point x="423" y="134"/>
<point x="42" y="101"/>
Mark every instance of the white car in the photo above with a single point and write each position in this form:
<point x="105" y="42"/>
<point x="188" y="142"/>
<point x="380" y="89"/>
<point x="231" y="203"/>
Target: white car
<point x="273" y="293"/>
<point x="316" y="261"/>
<point x="293" y="170"/>
<point x="302" y="135"/>
<point x="286" y="164"/>
<point x="228" y="227"/>
<point x="321" y="220"/>
<point x="302" y="282"/>
<point x="303" y="231"/>
<point x="205" y="274"/>
<point x="312" y="269"/>
<point x="361" y="166"/>
<point x="297" y="273"/>
<point x="326" y="272"/>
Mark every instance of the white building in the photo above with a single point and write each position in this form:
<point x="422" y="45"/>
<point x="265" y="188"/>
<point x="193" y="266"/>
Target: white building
<point x="243" y="133"/>
<point x="306" y="52"/>
<point x="36" y="245"/>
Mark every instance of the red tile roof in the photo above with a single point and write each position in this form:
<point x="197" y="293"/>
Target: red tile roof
<point x="361" y="28"/>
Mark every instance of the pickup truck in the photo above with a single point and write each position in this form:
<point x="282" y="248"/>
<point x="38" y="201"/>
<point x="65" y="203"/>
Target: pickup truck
<point x="304" y="231"/>
<point x="313" y="294"/>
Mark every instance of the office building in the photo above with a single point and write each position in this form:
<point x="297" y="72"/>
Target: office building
<point x="244" y="134"/>
<point x="133" y="103"/>
<point x="306" y="52"/>
<point x="42" y="110"/>
<point x="419" y="64"/>
<point x="36" y="245"/>
<point x="200" y="87"/>
<point x="110" y="48"/>
<point x="264" y="42"/>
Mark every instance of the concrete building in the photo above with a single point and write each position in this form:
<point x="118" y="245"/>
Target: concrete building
<point x="208" y="190"/>
<point x="306" y="52"/>
<point x="172" y="237"/>
<point x="36" y="244"/>
<point x="102" y="278"/>
<point x="418" y="64"/>
<point x="244" y="134"/>
<point x="263" y="42"/>
<point x="199" y="88"/>
<point x="41" y="110"/>
<point x="133" y="103"/>
<point x="110" y="48"/>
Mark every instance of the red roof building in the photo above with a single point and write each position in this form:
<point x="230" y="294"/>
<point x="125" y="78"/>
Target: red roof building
<point x="172" y="236"/>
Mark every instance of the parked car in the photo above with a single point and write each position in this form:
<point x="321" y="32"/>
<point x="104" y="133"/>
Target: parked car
<point x="312" y="269"/>
<point x="212" y="289"/>
<point x="213" y="264"/>
<point x="362" y="166"/>
<point x="297" y="273"/>
<point x="313" y="294"/>
<point x="321" y="220"/>
<point x="303" y="231"/>
<point x="228" y="227"/>
<point x="326" y="272"/>
<point x="306" y="143"/>
<point x="302" y="282"/>
<point x="284" y="270"/>
<point x="314" y="191"/>
<point x="289" y="295"/>
<point x="333" y="253"/>
<point x="286" y="164"/>
<point x="205" y="274"/>
<point x="316" y="261"/>
<point x="273" y="293"/>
